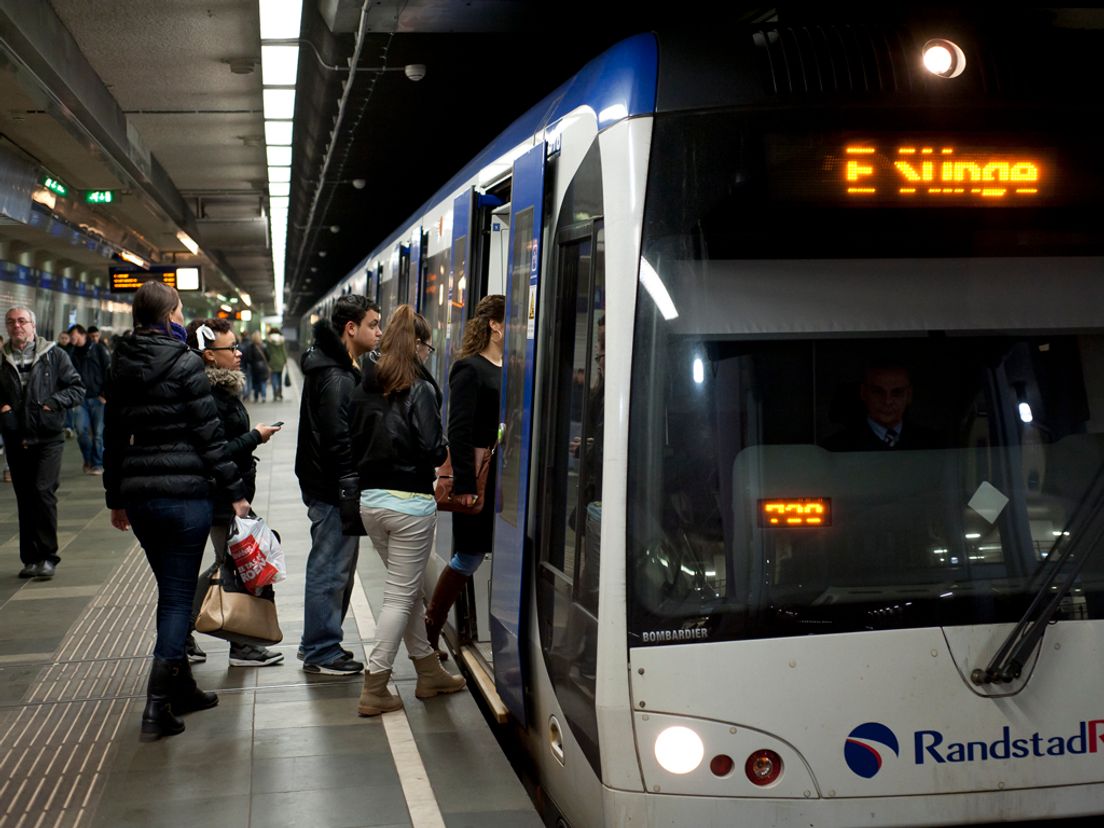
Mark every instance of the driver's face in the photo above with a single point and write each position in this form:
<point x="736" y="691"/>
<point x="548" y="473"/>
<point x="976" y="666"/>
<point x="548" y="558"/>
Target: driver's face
<point x="886" y="393"/>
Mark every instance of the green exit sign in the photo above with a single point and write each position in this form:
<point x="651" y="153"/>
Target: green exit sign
<point x="99" y="196"/>
<point x="53" y="185"/>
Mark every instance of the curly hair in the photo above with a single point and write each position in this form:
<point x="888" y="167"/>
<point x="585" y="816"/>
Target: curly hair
<point x="477" y="333"/>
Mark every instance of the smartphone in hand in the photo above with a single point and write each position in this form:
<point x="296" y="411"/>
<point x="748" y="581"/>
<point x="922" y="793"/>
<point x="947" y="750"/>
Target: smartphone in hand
<point x="278" y="424"/>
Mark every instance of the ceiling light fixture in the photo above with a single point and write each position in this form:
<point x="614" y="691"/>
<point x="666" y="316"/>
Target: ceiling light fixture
<point x="280" y="29"/>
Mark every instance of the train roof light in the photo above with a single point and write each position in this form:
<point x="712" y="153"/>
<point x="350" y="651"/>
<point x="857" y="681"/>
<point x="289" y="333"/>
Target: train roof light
<point x="944" y="58"/>
<point x="679" y="750"/>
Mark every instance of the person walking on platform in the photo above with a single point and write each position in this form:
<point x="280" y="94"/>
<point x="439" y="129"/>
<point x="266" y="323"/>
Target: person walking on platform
<point x="164" y="465"/>
<point x="327" y="479"/>
<point x="277" y="361"/>
<point x="216" y="343"/>
<point x="259" y="370"/>
<point x="395" y="417"/>
<point x="38" y="384"/>
<point x="93" y="363"/>
<point x="474" y="383"/>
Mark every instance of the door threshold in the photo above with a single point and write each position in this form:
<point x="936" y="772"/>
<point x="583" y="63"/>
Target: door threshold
<point x="484" y="680"/>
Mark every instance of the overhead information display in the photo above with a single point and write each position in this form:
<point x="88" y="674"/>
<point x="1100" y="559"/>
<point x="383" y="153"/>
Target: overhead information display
<point x="129" y="279"/>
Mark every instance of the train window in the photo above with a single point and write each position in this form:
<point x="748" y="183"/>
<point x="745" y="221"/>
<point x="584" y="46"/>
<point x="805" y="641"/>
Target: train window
<point x="517" y="315"/>
<point x="435" y="311"/>
<point x="458" y="292"/>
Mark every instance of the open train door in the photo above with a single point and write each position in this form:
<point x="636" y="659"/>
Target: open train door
<point x="512" y="544"/>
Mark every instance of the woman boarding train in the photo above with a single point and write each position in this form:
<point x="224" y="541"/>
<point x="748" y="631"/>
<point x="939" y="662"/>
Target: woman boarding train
<point x="398" y="441"/>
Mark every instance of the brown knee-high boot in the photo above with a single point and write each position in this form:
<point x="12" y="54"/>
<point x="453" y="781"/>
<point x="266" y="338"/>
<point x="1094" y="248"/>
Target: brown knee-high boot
<point x="449" y="586"/>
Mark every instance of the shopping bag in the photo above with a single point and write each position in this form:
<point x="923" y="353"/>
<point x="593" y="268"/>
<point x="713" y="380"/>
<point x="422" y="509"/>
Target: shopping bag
<point x="287" y="378"/>
<point x="231" y="612"/>
<point x="255" y="550"/>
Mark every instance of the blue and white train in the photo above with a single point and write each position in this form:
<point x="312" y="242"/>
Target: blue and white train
<point x="711" y="599"/>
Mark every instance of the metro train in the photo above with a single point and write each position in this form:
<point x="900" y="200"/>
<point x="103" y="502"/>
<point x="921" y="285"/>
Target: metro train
<point x="712" y="600"/>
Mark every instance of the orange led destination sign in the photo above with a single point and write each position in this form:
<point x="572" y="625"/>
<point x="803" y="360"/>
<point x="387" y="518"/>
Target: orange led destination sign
<point x="930" y="173"/>
<point x="795" y="512"/>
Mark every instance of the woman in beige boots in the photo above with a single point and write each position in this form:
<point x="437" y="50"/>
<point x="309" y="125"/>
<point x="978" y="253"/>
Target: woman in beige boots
<point x="398" y="441"/>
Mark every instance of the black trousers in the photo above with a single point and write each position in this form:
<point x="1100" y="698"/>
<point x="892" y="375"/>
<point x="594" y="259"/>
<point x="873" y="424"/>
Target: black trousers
<point x="35" y="470"/>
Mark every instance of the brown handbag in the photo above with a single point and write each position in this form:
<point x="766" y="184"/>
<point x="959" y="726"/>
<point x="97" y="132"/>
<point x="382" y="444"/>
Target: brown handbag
<point x="442" y="491"/>
<point x="238" y="616"/>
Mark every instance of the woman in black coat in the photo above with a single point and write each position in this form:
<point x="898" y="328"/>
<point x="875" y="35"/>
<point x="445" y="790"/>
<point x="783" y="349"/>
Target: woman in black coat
<point x="216" y="343"/>
<point x="163" y="446"/>
<point x="474" y="383"/>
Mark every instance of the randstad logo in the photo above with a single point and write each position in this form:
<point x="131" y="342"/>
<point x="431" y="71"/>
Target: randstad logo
<point x="865" y="747"/>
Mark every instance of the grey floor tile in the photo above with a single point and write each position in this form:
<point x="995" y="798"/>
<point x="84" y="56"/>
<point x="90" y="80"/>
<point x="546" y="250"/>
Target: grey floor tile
<point x="494" y="819"/>
<point x="209" y="811"/>
<point x="309" y="713"/>
<point x="336" y="808"/>
<point x="327" y="740"/>
<point x="172" y="783"/>
<point x="312" y="773"/>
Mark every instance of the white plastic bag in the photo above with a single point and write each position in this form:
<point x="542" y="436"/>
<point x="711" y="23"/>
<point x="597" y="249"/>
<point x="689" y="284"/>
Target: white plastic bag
<point x="257" y="554"/>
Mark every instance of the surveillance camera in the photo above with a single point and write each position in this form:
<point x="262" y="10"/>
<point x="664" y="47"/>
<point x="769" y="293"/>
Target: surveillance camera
<point x="415" y="71"/>
<point x="359" y="183"/>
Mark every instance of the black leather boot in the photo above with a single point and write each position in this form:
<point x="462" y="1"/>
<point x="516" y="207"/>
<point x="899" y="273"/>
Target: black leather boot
<point x="449" y="586"/>
<point x="186" y="696"/>
<point x="158" y="719"/>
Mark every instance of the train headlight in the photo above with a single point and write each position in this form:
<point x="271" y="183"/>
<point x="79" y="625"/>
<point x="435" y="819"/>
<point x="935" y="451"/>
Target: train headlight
<point x="944" y="58"/>
<point x="679" y="750"/>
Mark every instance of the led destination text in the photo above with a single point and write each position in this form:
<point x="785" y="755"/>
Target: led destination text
<point x="934" y="173"/>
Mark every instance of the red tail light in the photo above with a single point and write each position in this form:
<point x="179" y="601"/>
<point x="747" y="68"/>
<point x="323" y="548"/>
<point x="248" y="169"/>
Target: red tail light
<point x="721" y="765"/>
<point x="763" y="767"/>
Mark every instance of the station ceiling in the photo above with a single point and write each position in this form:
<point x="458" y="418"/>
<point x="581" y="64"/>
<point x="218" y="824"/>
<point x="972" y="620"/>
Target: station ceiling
<point x="162" y="99"/>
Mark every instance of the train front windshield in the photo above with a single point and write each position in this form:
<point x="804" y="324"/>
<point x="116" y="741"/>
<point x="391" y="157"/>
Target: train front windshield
<point x="860" y="416"/>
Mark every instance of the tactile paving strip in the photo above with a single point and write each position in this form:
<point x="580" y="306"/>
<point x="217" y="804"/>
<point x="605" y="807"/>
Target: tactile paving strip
<point x="53" y="751"/>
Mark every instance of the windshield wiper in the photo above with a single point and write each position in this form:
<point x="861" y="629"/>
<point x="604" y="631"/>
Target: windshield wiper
<point x="1082" y="533"/>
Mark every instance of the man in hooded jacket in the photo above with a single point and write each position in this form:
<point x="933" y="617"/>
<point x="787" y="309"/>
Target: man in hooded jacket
<point x="328" y="478"/>
<point x="38" y="383"/>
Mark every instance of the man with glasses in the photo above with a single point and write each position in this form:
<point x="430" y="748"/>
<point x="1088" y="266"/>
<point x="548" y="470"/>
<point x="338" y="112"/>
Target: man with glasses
<point x="37" y="384"/>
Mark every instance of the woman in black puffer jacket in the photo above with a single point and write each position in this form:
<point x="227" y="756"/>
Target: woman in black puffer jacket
<point x="164" y="465"/>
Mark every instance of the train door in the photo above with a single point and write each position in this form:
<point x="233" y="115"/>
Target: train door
<point x="512" y="540"/>
<point x="377" y="284"/>
<point x="569" y="478"/>
<point x="415" y="264"/>
<point x="404" y="275"/>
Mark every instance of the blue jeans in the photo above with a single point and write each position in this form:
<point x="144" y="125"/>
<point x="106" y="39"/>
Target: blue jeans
<point x="173" y="534"/>
<point x="465" y="564"/>
<point x="331" y="565"/>
<point x="88" y="420"/>
<point x="278" y="383"/>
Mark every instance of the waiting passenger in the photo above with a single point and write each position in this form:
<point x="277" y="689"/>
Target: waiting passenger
<point x="256" y="357"/>
<point x="93" y="363"/>
<point x="395" y="418"/>
<point x="886" y="393"/>
<point x="327" y="479"/>
<point x="163" y="446"/>
<point x="38" y="384"/>
<point x="474" y="382"/>
<point x="218" y="346"/>
<point x="277" y="361"/>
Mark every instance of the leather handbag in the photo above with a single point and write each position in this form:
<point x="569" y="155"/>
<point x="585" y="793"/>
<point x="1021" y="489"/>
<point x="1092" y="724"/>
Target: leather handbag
<point x="238" y="616"/>
<point x="442" y="491"/>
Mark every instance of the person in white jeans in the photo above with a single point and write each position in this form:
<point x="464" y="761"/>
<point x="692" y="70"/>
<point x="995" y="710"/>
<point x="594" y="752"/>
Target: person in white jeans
<point x="398" y="441"/>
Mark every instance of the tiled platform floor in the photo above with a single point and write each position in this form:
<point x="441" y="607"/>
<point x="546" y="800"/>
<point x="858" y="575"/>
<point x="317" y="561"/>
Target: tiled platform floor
<point x="282" y="747"/>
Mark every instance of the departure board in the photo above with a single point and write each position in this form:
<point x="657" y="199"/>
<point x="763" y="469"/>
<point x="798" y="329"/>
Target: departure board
<point x="129" y="279"/>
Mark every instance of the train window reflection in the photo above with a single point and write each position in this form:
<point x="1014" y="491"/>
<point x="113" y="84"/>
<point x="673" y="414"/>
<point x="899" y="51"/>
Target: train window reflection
<point x="945" y="503"/>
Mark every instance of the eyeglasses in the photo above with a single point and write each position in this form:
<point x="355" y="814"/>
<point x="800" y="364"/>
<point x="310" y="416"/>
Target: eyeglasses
<point x="225" y="348"/>
<point x="427" y="345"/>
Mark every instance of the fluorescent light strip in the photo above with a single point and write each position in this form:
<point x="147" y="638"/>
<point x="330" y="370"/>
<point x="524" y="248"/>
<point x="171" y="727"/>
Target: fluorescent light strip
<point x="278" y="133"/>
<point x="279" y="174"/>
<point x="279" y="156"/>
<point x="279" y="104"/>
<point x="279" y="65"/>
<point x="280" y="19"/>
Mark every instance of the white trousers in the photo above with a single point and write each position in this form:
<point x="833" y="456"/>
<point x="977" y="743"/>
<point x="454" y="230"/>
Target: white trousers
<point x="403" y="543"/>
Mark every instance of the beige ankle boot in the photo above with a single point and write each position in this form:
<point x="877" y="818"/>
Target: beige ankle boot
<point x="375" y="698"/>
<point x="434" y="679"/>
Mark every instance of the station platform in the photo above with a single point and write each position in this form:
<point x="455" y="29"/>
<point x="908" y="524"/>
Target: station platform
<point x="283" y="748"/>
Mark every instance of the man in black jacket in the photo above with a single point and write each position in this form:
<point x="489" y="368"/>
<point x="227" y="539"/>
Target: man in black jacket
<point x="93" y="363"/>
<point x="37" y="384"/>
<point x="328" y="479"/>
